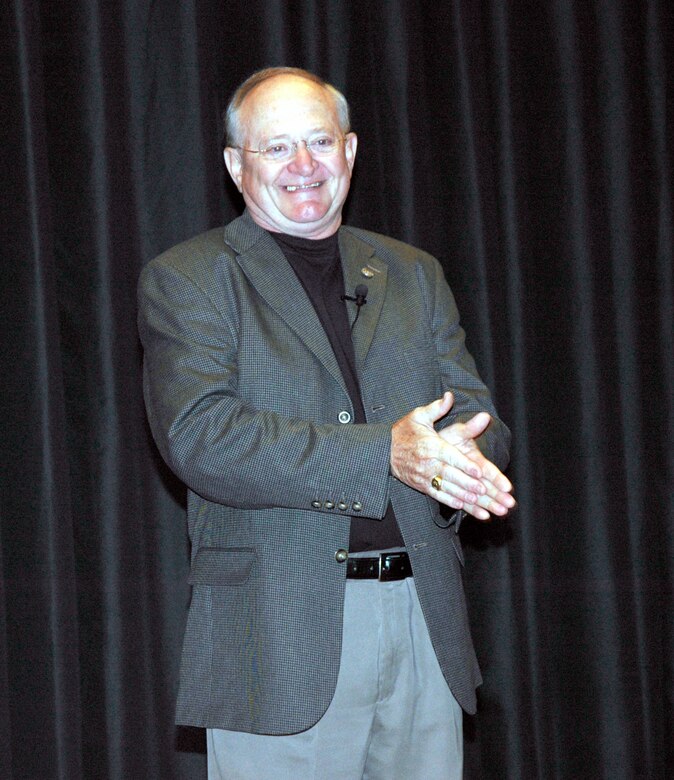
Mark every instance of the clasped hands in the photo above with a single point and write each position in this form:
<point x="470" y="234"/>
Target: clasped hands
<point x="467" y="480"/>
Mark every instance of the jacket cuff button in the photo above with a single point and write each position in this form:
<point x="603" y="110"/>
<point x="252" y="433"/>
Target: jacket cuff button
<point x="316" y="504"/>
<point x="329" y="504"/>
<point x="342" y="506"/>
<point x="356" y="506"/>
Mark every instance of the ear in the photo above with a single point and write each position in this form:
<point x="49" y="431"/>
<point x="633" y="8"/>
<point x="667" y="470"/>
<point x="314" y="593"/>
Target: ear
<point x="350" y="146"/>
<point x="234" y="165"/>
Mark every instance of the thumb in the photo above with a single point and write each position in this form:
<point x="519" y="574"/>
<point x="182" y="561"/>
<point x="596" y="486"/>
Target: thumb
<point x="476" y="425"/>
<point x="436" y="409"/>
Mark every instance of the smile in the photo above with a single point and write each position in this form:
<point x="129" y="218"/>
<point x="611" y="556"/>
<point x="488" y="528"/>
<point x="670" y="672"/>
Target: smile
<point x="294" y="188"/>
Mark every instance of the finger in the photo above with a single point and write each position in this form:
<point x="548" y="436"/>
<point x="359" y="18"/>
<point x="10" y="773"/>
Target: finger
<point x="448" y="455"/>
<point x="490" y="472"/>
<point x="495" y="476"/>
<point x="435" y="410"/>
<point x="477" y="425"/>
<point x="449" y="500"/>
<point x="476" y="511"/>
<point x="454" y="491"/>
<point x="493" y="502"/>
<point x="502" y="497"/>
<point x="499" y="505"/>
<point x="492" y="506"/>
<point x="465" y="432"/>
<point x="482" y="510"/>
<point x="460" y="484"/>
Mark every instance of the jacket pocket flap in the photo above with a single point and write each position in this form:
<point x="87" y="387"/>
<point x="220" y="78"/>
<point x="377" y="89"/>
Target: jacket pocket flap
<point x="222" y="566"/>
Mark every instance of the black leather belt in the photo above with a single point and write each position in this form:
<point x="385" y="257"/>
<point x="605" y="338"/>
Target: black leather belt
<point x="384" y="567"/>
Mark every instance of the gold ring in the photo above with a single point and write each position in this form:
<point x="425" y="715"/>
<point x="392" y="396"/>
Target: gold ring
<point x="436" y="482"/>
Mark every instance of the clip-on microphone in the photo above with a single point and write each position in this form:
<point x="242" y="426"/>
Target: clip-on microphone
<point x="360" y="299"/>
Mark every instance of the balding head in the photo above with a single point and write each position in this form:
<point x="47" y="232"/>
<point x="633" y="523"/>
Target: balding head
<point x="234" y="131"/>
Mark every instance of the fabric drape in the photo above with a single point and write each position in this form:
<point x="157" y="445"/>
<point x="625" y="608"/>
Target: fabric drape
<point x="529" y="147"/>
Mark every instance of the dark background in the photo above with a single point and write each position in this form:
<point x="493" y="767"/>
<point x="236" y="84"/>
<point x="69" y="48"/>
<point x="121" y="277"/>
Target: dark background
<point x="528" y="145"/>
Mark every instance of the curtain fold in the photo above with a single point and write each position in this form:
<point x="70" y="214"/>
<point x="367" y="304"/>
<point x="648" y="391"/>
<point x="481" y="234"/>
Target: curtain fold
<point x="37" y="565"/>
<point x="527" y="146"/>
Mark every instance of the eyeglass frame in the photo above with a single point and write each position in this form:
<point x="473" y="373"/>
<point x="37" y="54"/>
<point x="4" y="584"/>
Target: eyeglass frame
<point x="295" y="145"/>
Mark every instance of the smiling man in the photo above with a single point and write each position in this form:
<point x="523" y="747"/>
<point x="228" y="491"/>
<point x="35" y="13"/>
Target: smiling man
<point x="310" y="384"/>
<point x="294" y="187"/>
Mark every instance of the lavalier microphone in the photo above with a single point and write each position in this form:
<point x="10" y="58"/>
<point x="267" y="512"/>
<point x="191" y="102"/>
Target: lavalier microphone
<point x="359" y="298"/>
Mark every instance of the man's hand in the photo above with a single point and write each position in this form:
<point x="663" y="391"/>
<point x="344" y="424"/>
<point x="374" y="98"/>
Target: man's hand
<point x="468" y="480"/>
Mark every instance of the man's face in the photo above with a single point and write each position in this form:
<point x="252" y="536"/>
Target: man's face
<point x="304" y="196"/>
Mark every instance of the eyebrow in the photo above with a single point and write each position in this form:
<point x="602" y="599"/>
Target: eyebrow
<point x="287" y="136"/>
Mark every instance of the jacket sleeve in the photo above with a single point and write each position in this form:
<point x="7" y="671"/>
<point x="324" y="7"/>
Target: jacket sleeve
<point x="217" y="443"/>
<point x="458" y="371"/>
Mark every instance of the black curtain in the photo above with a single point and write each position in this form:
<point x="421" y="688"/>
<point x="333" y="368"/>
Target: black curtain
<point x="529" y="147"/>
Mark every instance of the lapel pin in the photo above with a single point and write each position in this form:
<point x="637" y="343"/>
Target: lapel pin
<point x="367" y="272"/>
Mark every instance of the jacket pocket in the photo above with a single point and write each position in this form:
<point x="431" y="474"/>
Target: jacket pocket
<point x="222" y="566"/>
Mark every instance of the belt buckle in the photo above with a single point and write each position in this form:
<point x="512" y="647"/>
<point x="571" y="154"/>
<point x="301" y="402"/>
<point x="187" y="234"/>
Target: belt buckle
<point x="385" y="575"/>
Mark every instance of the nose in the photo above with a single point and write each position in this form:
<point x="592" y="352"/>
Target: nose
<point x="302" y="163"/>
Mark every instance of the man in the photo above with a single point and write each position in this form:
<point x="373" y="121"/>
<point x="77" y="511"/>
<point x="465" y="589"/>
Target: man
<point x="310" y="385"/>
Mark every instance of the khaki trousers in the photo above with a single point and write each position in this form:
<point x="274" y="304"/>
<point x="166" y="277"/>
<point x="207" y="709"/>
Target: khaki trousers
<point x="392" y="717"/>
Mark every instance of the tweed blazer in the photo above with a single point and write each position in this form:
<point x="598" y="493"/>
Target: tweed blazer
<point x="249" y="408"/>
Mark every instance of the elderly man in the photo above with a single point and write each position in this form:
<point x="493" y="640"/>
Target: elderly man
<point x="310" y="384"/>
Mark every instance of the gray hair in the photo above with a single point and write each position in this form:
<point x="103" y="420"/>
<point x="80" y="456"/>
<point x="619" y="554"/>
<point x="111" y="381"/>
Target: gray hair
<point x="231" y="116"/>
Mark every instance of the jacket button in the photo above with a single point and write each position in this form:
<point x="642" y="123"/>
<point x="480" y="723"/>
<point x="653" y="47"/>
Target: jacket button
<point x="329" y="504"/>
<point x="356" y="506"/>
<point x="316" y="504"/>
<point x="342" y="506"/>
<point x="344" y="417"/>
<point x="341" y="555"/>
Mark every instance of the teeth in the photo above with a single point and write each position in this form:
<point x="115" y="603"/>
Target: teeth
<point x="292" y="188"/>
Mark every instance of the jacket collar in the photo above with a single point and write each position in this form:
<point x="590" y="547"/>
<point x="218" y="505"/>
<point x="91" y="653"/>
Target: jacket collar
<point x="362" y="266"/>
<point x="269" y="272"/>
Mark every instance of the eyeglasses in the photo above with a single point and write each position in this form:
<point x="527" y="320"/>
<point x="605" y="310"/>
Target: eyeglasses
<point x="320" y="146"/>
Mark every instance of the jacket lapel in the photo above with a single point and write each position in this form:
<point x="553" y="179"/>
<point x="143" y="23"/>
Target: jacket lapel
<point x="271" y="275"/>
<point x="362" y="266"/>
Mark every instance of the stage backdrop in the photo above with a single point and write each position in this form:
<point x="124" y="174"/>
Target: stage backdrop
<point x="526" y="144"/>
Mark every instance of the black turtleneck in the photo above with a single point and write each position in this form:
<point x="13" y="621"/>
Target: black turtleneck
<point x="318" y="266"/>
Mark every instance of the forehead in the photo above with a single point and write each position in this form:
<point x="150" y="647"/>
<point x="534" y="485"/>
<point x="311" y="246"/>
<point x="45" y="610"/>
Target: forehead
<point x="288" y="105"/>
